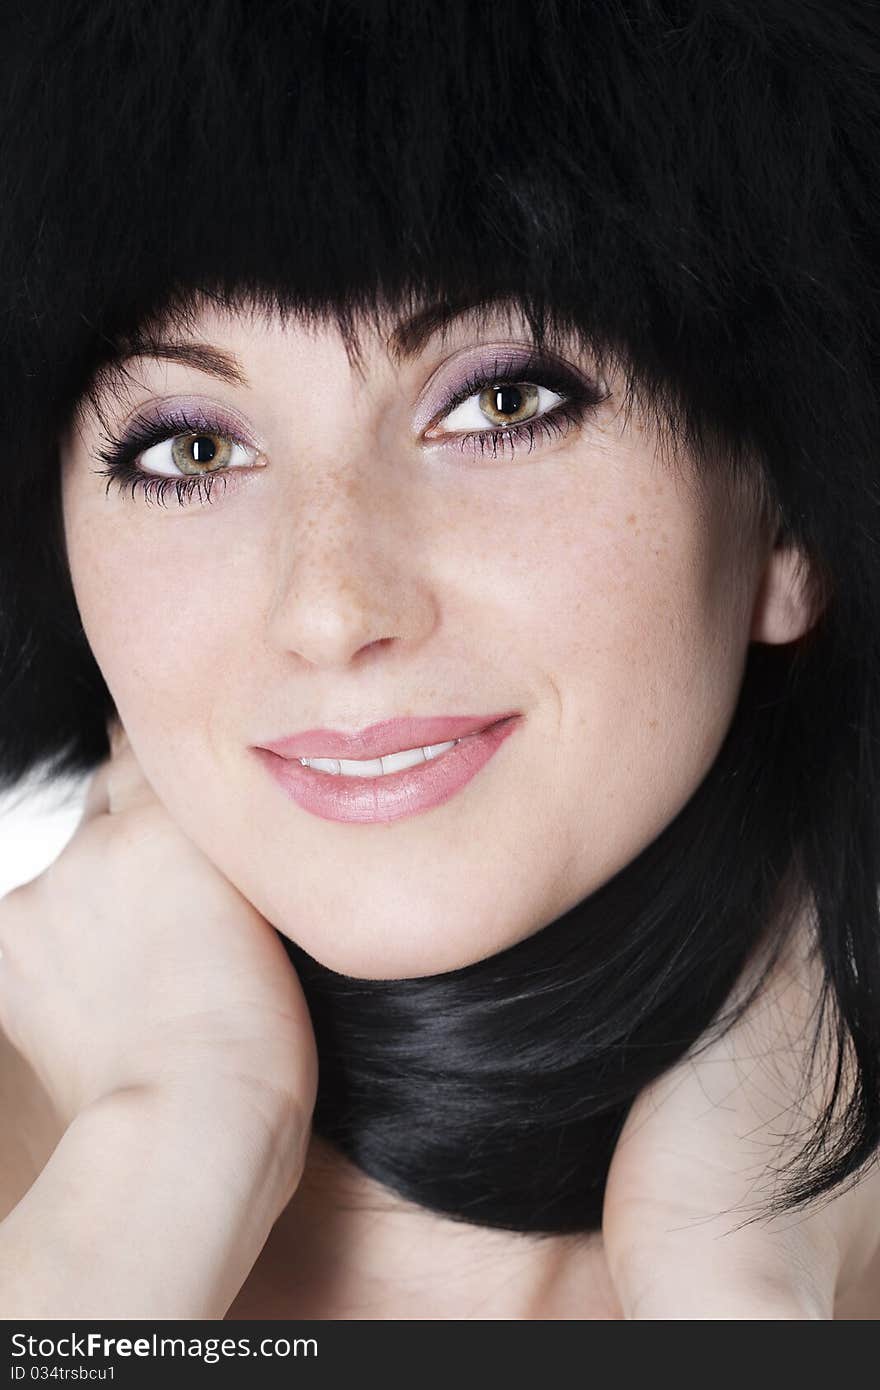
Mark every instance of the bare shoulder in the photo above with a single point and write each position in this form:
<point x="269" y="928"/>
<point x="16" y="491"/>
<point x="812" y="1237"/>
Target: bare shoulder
<point x="29" y="1127"/>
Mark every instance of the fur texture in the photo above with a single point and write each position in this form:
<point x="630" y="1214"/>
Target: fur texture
<point x="693" y="188"/>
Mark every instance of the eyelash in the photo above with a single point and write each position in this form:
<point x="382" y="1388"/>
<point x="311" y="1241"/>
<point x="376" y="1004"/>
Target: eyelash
<point x="121" y="454"/>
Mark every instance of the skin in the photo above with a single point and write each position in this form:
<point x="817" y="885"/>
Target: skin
<point x="362" y="571"/>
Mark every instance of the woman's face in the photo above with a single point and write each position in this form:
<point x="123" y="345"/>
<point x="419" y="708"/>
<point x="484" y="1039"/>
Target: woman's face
<point x="368" y="562"/>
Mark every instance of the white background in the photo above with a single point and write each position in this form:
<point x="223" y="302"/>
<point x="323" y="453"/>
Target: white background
<point x="35" y="825"/>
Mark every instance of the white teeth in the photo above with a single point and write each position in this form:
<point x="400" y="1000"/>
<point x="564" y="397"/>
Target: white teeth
<point x="379" y="767"/>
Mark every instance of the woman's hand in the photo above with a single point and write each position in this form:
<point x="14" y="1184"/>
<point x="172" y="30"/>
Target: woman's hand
<point x="168" y="1026"/>
<point x="695" y="1159"/>
<point x="133" y="962"/>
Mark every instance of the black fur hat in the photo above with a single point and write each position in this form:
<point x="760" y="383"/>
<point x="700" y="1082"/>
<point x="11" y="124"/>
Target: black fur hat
<point x="692" y="188"/>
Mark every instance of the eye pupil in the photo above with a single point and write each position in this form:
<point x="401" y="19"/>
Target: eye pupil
<point x="196" y="452"/>
<point x="202" y="448"/>
<point x="509" y="399"/>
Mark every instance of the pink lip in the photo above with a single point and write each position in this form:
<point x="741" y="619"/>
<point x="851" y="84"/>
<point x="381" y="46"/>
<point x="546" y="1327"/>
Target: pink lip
<point x="333" y="796"/>
<point x="389" y="736"/>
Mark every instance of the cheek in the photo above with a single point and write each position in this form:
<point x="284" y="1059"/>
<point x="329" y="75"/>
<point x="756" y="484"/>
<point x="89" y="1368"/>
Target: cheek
<point x="634" y="591"/>
<point x="646" y="647"/>
<point x="150" y="611"/>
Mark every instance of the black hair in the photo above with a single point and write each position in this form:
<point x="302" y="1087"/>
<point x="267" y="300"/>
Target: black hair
<point x="690" y="188"/>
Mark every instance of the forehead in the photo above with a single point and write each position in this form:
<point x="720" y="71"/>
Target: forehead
<point x="400" y="334"/>
<point x="238" y="340"/>
<point x="247" y="343"/>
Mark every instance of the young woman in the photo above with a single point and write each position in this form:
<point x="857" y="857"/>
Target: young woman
<point x="441" y="473"/>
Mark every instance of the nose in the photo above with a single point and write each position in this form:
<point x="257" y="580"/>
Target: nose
<point x="350" y="572"/>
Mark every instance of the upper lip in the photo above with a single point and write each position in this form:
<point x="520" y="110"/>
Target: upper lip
<point x="388" y="736"/>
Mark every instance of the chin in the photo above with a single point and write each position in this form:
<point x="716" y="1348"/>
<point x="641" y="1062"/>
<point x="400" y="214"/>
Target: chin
<point x="381" y="947"/>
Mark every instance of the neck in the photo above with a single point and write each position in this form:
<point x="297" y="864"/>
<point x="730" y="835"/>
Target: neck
<point x="347" y="1248"/>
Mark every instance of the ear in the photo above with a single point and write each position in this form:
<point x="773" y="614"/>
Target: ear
<point x="784" y="603"/>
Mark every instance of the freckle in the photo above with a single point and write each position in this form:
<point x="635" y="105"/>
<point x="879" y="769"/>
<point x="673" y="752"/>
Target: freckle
<point x="652" y="723"/>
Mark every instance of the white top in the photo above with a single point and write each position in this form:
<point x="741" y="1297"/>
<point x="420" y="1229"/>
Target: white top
<point x="35" y="825"/>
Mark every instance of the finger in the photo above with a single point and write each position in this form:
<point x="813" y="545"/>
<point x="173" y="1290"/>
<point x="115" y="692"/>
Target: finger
<point x="700" y="1150"/>
<point x="116" y="736"/>
<point x="127" y="786"/>
<point x="97" y="801"/>
<point x="97" y="797"/>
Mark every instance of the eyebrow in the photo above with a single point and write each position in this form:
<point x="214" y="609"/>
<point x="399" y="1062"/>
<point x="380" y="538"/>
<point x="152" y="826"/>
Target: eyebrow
<point x="213" y="360"/>
<point x="405" y="342"/>
<point x="410" y="336"/>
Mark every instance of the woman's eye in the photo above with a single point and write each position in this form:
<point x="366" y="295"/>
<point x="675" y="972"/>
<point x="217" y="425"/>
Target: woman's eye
<point x="500" y="405"/>
<point x="191" y="455"/>
<point x="495" y="414"/>
<point x="176" y="454"/>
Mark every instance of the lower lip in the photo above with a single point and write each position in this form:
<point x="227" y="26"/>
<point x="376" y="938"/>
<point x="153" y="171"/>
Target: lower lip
<point x="333" y="796"/>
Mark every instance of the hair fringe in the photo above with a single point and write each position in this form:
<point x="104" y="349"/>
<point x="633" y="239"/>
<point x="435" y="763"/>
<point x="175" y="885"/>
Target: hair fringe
<point x="685" y="190"/>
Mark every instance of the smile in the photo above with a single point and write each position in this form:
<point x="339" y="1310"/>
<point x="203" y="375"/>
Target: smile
<point x="387" y="788"/>
<point x="381" y="766"/>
